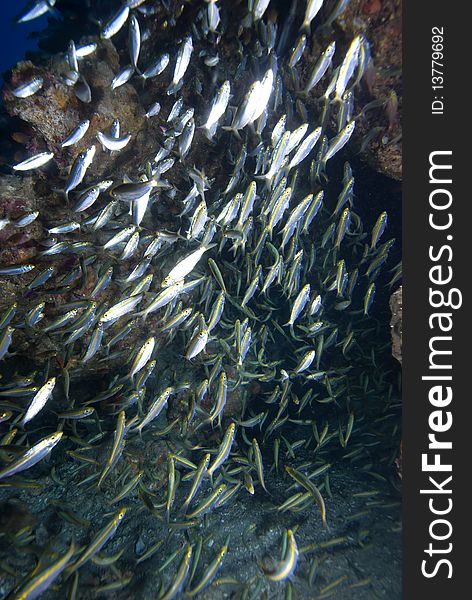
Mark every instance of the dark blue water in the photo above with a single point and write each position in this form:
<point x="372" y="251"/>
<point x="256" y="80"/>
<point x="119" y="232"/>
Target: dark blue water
<point x="16" y="38"/>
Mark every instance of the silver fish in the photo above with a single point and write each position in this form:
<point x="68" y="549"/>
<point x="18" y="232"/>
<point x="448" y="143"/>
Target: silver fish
<point x="321" y="67"/>
<point x="122" y="77"/>
<point x="39" y="400"/>
<point x="183" y="59"/>
<point x="79" y="168"/>
<point x="218" y="107"/>
<point x="121" y="308"/>
<point x="115" y="23"/>
<point x="37" y="9"/>
<point x="156" y="68"/>
<point x="339" y="141"/>
<point x="347" y="67"/>
<point x="313" y="7"/>
<point x="38" y="160"/>
<point x="134" y="40"/>
<point x="153" y="110"/>
<point x="28" y="89"/>
<point x="112" y="143"/>
<point x="32" y="456"/>
<point x="185" y="140"/>
<point x="305" y="148"/>
<point x="77" y="134"/>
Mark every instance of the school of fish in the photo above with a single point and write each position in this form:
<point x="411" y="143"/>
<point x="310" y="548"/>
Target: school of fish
<point x="261" y="293"/>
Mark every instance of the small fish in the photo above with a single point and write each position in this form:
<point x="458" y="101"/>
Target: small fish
<point x="99" y="541"/>
<point x="143" y="355"/>
<point x="66" y="228"/>
<point x="343" y="226"/>
<point x="94" y="343"/>
<point x="224" y="449"/>
<point x="277" y="157"/>
<point x="38" y="160"/>
<point x="7" y="316"/>
<point x="32" y="456"/>
<point x="339" y="141"/>
<point x="247" y="109"/>
<point x="258" y="9"/>
<point x="170" y="485"/>
<point x="77" y="134"/>
<point x="128" y="488"/>
<point x="85" y="49"/>
<point x="208" y="503"/>
<point x="177" y="320"/>
<point x="79" y="169"/>
<point x="257" y="454"/>
<point x="287" y="566"/>
<point x="130" y="246"/>
<point x="218" y="107"/>
<point x="297" y="51"/>
<point x="247" y="204"/>
<point x="197" y="480"/>
<point x="16" y="270"/>
<point x="185" y="140"/>
<point x="121" y="308"/>
<point x="88" y="198"/>
<point x="264" y="94"/>
<point x="39" y="400"/>
<point x="369" y="298"/>
<point x="112" y="143"/>
<point x="198" y="342"/>
<point x="5" y="340"/>
<point x="134" y="40"/>
<point x="156" y="408"/>
<point x="299" y="304"/>
<point x="102" y="282"/>
<point x="113" y="26"/>
<point x="278" y="130"/>
<point x="378" y="230"/>
<point x="198" y="221"/>
<point x="347" y="67"/>
<point x="184" y="266"/>
<point x="28" y="89"/>
<point x="180" y="577"/>
<point x="210" y="572"/>
<point x="38" y="583"/>
<point x="321" y="67"/>
<point x="213" y="15"/>
<point x="77" y="414"/>
<point x="305" y="362"/>
<point x="157" y="67"/>
<point x="120" y="237"/>
<point x="153" y="110"/>
<point x="117" y="447"/>
<point x="279" y="209"/>
<point x="35" y="314"/>
<point x="133" y="191"/>
<point x="305" y="148"/>
<point x="311" y="487"/>
<point x="166" y="296"/>
<point x="62" y="320"/>
<point x="221" y="393"/>
<point x="41" y="278"/>
<point x="313" y="7"/>
<point x="217" y="311"/>
<point x="183" y="59"/>
<point x="122" y="77"/>
<point x="35" y="10"/>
